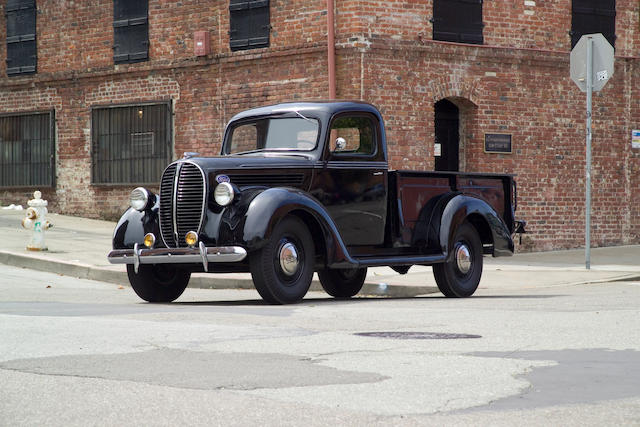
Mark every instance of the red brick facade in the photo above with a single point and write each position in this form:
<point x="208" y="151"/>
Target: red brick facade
<point x="517" y="82"/>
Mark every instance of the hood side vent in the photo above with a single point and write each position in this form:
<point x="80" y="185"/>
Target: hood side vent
<point x="294" y="180"/>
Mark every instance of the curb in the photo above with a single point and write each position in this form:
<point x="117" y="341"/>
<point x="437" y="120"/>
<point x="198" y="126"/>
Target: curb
<point x="84" y="271"/>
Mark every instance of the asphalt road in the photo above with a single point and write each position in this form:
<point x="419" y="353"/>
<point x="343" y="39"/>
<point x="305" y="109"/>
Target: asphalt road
<point x="78" y="352"/>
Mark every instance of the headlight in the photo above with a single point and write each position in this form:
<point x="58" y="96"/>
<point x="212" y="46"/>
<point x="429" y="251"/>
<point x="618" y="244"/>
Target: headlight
<point x="223" y="194"/>
<point x="139" y="199"/>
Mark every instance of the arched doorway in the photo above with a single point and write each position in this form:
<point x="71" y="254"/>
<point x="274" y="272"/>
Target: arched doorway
<point x="447" y="137"/>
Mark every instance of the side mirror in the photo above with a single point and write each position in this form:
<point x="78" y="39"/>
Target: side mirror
<point x="341" y="144"/>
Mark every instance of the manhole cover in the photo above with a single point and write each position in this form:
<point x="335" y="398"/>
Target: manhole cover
<point x="417" y="335"/>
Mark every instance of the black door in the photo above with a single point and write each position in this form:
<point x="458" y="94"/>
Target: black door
<point x="447" y="121"/>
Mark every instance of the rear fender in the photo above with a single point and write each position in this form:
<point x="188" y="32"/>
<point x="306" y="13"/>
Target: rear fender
<point x="462" y="208"/>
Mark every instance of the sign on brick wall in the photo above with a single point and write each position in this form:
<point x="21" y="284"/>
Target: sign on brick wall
<point x="497" y="143"/>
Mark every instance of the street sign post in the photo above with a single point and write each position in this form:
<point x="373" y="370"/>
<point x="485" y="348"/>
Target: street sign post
<point x="591" y="67"/>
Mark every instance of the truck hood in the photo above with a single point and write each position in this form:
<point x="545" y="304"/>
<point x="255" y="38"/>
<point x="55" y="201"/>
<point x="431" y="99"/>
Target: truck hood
<point x="240" y="163"/>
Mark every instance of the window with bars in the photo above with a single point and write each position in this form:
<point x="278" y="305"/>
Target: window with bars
<point x="130" y="31"/>
<point x="593" y="16"/>
<point x="458" y="21"/>
<point x="249" y="25"/>
<point x="130" y="144"/>
<point x="21" y="37"/>
<point x="27" y="150"/>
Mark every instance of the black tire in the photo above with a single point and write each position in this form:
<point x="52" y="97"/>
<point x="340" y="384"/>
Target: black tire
<point x="158" y="282"/>
<point x="342" y="283"/>
<point x="453" y="281"/>
<point x="273" y="282"/>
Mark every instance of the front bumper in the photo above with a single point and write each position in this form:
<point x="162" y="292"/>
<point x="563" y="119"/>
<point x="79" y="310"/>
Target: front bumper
<point x="200" y="255"/>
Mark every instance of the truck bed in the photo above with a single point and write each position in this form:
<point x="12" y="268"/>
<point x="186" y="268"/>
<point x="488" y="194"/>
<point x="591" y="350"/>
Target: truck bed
<point x="414" y="196"/>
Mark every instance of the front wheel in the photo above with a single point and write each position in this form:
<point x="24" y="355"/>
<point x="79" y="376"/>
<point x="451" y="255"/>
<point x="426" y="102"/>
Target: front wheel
<point x="342" y="283"/>
<point x="460" y="277"/>
<point x="158" y="282"/>
<point x="282" y="269"/>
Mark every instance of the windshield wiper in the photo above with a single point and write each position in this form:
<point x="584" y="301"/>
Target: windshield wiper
<point x="306" y="118"/>
<point x="248" y="152"/>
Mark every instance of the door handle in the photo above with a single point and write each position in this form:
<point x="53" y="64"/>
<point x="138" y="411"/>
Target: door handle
<point x="377" y="173"/>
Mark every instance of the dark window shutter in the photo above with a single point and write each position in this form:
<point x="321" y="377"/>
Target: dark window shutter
<point x="249" y="24"/>
<point x="21" y="37"/>
<point x="593" y="16"/>
<point x="130" y="30"/>
<point x="458" y="21"/>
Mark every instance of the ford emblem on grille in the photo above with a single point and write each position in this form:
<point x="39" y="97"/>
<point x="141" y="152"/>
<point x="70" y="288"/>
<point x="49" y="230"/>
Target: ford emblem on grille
<point x="222" y="178"/>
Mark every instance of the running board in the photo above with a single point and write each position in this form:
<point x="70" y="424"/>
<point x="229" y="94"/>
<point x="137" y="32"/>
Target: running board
<point x="400" y="260"/>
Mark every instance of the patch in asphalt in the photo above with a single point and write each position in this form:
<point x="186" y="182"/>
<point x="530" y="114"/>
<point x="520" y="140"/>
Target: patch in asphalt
<point x="64" y="309"/>
<point x="196" y="370"/>
<point x="581" y="376"/>
<point x="417" y="335"/>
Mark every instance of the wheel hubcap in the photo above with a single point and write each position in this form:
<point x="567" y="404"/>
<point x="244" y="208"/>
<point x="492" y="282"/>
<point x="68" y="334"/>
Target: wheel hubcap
<point x="463" y="258"/>
<point x="288" y="258"/>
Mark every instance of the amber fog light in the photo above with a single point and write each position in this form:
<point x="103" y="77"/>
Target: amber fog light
<point x="149" y="240"/>
<point x="191" y="238"/>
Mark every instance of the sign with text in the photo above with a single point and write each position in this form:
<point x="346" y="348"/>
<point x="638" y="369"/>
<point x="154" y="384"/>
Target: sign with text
<point x="497" y="143"/>
<point x="635" y="138"/>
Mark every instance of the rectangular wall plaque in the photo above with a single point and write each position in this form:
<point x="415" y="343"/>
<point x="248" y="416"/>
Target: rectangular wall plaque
<point x="497" y="143"/>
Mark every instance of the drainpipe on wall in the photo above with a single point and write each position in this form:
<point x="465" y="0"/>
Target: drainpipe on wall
<point x="331" y="50"/>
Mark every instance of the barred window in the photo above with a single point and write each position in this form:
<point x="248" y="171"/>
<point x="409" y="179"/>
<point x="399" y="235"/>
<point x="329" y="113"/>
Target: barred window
<point x="27" y="150"/>
<point x="458" y="21"/>
<point x="593" y="16"/>
<point x="130" y="144"/>
<point x="21" y="37"/>
<point x="130" y="31"/>
<point x="249" y="25"/>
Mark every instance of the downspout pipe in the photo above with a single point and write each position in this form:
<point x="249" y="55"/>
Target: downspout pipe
<point x="331" y="49"/>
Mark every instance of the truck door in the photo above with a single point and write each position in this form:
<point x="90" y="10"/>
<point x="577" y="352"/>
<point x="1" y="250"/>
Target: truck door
<point x="352" y="183"/>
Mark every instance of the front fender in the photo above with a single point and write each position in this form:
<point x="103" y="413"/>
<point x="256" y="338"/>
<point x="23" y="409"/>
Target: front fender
<point x="133" y="225"/>
<point x="459" y="209"/>
<point x="273" y="204"/>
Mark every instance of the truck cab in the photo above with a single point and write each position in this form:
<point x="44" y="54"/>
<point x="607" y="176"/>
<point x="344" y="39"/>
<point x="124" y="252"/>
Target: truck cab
<point x="306" y="187"/>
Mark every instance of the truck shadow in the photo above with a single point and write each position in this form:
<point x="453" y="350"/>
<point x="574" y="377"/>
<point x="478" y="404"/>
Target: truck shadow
<point x="356" y="300"/>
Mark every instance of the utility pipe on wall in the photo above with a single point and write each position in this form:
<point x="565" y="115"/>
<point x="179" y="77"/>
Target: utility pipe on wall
<point x="331" y="50"/>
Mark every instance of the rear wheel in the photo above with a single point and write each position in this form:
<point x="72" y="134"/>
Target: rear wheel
<point x="342" y="283"/>
<point x="158" y="282"/>
<point x="460" y="277"/>
<point x="282" y="269"/>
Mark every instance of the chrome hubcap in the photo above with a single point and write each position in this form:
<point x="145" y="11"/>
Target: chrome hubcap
<point x="288" y="258"/>
<point x="463" y="259"/>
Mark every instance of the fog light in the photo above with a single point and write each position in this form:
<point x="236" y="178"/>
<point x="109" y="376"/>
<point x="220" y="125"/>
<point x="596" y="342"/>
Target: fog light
<point x="191" y="238"/>
<point x="149" y="240"/>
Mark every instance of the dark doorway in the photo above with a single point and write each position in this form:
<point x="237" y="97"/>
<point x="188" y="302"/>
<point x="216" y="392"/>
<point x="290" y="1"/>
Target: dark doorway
<point x="447" y="121"/>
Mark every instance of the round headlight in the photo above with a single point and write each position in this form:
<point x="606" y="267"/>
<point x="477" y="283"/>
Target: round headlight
<point x="223" y="194"/>
<point x="139" y="199"/>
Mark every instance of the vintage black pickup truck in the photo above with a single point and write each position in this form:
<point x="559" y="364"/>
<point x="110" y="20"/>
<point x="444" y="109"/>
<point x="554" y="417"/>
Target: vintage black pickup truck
<point x="302" y="188"/>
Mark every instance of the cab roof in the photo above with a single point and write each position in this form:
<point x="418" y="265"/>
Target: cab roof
<point x="312" y="108"/>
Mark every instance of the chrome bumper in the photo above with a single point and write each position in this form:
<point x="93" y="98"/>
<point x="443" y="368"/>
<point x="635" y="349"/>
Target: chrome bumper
<point x="200" y="255"/>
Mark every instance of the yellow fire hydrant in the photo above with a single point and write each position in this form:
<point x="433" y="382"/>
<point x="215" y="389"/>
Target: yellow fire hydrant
<point x="36" y="220"/>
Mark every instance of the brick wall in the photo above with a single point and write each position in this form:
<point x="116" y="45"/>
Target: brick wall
<point x="516" y="83"/>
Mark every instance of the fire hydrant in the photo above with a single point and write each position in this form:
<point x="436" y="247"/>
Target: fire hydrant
<point x="36" y="220"/>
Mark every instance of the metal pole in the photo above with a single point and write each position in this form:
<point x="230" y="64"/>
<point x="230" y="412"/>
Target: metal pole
<point x="588" y="166"/>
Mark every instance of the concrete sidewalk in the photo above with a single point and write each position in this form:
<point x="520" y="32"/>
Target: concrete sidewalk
<point x="78" y="247"/>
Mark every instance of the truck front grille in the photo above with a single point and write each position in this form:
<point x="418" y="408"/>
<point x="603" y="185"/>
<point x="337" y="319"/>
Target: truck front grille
<point x="181" y="202"/>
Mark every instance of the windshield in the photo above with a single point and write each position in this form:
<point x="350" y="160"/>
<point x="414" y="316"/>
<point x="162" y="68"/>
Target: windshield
<point x="298" y="134"/>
